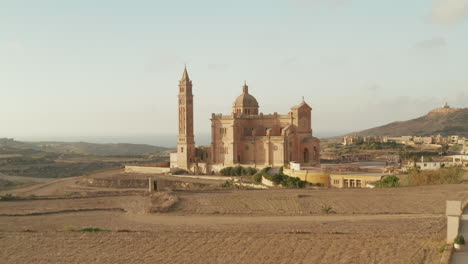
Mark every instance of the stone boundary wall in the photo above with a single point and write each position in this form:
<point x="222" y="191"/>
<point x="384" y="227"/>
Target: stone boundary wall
<point x="454" y="212"/>
<point x="114" y="183"/>
<point x="309" y="176"/>
<point x="142" y="183"/>
<point x="147" y="170"/>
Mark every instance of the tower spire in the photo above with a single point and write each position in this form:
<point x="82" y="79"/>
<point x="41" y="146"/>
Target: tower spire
<point x="245" y="88"/>
<point x="185" y="76"/>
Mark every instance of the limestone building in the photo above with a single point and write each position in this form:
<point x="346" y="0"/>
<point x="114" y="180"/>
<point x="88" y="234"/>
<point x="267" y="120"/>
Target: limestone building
<point x="246" y="136"/>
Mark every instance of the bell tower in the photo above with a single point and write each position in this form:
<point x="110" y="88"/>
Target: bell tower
<point x="186" y="139"/>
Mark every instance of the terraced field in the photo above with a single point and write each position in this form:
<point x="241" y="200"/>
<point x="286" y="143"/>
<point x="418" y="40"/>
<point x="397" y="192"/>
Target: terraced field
<point x="403" y="225"/>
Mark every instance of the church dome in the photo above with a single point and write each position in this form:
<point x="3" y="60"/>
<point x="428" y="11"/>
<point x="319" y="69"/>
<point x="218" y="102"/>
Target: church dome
<point x="245" y="103"/>
<point x="245" y="99"/>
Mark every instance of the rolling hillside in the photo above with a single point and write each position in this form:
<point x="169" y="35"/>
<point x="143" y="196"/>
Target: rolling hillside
<point x="120" y="149"/>
<point x="444" y="121"/>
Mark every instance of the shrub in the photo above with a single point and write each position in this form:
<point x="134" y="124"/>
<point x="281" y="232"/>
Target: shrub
<point x="226" y="171"/>
<point x="286" y="181"/>
<point x="93" y="230"/>
<point x="442" y="249"/>
<point x="238" y="171"/>
<point x="327" y="209"/>
<point x="227" y="184"/>
<point x="293" y="182"/>
<point x="459" y="240"/>
<point x="8" y="197"/>
<point x="388" y="182"/>
<point x="257" y="178"/>
<point x="250" y="171"/>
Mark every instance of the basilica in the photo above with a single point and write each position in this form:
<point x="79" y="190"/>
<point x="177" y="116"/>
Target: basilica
<point x="246" y="136"/>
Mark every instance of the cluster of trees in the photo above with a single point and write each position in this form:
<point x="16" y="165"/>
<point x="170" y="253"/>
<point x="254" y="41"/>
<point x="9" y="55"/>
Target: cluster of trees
<point x="387" y="182"/>
<point x="416" y="156"/>
<point x="279" y="178"/>
<point x="238" y="171"/>
<point x="379" y="146"/>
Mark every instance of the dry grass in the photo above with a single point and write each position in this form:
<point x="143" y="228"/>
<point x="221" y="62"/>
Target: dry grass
<point x="430" y="177"/>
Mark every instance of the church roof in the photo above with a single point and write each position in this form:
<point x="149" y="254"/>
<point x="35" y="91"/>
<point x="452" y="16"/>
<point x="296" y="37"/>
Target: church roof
<point x="303" y="103"/>
<point x="245" y="99"/>
<point x="309" y="139"/>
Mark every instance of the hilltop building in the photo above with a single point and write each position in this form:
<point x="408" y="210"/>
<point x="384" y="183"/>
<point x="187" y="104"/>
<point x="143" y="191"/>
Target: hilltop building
<point x="246" y="136"/>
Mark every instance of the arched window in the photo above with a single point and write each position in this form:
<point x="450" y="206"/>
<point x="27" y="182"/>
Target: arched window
<point x="306" y="155"/>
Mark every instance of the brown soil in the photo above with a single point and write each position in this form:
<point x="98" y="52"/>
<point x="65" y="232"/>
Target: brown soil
<point x="403" y="225"/>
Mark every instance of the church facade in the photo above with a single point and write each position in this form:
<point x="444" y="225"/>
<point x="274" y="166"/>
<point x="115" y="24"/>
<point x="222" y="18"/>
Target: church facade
<point x="246" y="136"/>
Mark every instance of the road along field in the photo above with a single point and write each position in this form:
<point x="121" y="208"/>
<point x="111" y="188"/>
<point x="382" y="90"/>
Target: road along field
<point x="403" y="225"/>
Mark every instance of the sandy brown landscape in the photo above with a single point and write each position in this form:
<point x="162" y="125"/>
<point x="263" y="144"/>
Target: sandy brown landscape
<point x="214" y="225"/>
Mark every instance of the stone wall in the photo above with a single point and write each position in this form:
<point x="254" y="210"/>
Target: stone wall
<point x="147" y="170"/>
<point x="142" y="183"/>
<point x="454" y="211"/>
<point x="309" y="176"/>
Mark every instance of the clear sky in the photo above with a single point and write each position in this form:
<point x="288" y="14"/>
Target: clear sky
<point x="111" y="67"/>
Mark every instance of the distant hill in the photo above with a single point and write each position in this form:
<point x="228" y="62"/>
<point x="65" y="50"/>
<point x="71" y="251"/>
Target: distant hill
<point x="120" y="149"/>
<point x="445" y="121"/>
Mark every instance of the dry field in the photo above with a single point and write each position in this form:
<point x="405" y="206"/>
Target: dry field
<point x="404" y="225"/>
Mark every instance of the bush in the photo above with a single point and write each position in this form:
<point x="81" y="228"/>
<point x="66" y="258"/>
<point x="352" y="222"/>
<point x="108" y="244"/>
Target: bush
<point x="8" y="197"/>
<point x="257" y="178"/>
<point x="388" y="182"/>
<point x="459" y="240"/>
<point x="226" y="171"/>
<point x="250" y="171"/>
<point x="227" y="184"/>
<point x="93" y="230"/>
<point x="238" y="171"/>
<point x="327" y="209"/>
<point x="281" y="178"/>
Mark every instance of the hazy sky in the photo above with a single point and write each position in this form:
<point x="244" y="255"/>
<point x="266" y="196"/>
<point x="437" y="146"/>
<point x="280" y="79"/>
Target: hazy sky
<point x="110" y="67"/>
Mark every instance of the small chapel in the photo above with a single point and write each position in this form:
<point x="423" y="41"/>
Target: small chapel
<point x="246" y="136"/>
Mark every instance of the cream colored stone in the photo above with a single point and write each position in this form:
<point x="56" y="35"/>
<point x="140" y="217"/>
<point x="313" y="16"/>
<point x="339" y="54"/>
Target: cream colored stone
<point x="453" y="226"/>
<point x="147" y="170"/>
<point x="245" y="137"/>
<point x="454" y="208"/>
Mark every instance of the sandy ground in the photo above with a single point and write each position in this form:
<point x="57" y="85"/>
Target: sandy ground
<point x="403" y="225"/>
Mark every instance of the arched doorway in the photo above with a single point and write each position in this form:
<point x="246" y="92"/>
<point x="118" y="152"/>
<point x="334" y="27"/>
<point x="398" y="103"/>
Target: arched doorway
<point x="306" y="155"/>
